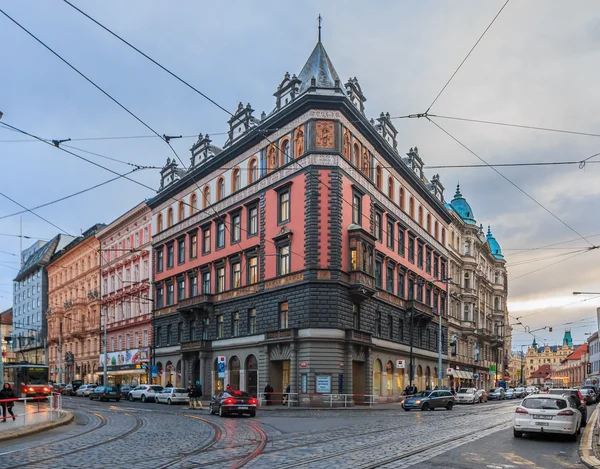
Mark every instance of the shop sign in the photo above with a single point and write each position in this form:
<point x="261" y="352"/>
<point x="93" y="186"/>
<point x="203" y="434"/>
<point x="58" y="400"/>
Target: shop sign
<point x="124" y="360"/>
<point x="221" y="366"/>
<point x="303" y="364"/>
<point x="323" y="384"/>
<point x="400" y="364"/>
<point x="492" y="368"/>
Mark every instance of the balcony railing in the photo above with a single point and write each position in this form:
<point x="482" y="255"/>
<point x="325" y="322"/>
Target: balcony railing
<point x="358" y="336"/>
<point x="196" y="345"/>
<point x="281" y="334"/>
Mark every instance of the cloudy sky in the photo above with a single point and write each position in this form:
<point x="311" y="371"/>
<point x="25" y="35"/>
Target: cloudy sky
<point x="536" y="66"/>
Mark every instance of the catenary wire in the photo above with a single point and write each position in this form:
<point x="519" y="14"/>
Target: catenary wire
<point x="467" y="56"/>
<point x="33" y="213"/>
<point x="549" y="265"/>
<point x="540" y="259"/>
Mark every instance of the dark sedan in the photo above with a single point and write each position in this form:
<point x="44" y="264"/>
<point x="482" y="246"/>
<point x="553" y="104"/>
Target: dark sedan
<point x="106" y="393"/>
<point x="233" y="402"/>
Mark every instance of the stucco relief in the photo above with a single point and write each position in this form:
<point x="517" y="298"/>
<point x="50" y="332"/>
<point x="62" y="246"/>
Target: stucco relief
<point x="299" y="142"/>
<point x="346" y="149"/>
<point x="325" y="137"/>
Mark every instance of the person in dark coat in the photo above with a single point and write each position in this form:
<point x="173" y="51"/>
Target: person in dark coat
<point x="286" y="395"/>
<point x="198" y="396"/>
<point x="7" y="393"/>
<point x="190" y="391"/>
<point x="268" y="391"/>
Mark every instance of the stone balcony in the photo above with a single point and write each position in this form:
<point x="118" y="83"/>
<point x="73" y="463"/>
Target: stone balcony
<point x="353" y="335"/>
<point x="196" y="346"/>
<point x="281" y="335"/>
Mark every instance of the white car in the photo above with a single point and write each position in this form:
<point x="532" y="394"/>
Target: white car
<point x="172" y="396"/>
<point x="467" y="396"/>
<point x="144" y="392"/>
<point x="83" y="388"/>
<point x="547" y="413"/>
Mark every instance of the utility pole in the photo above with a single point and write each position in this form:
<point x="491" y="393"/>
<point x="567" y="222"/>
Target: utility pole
<point x="105" y="377"/>
<point x="60" y="380"/>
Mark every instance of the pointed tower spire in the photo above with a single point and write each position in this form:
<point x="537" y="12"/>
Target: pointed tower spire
<point x="319" y="19"/>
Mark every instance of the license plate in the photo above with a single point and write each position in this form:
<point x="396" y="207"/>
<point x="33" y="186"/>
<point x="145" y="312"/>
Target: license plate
<point x="542" y="424"/>
<point x="543" y="417"/>
<point x="243" y="408"/>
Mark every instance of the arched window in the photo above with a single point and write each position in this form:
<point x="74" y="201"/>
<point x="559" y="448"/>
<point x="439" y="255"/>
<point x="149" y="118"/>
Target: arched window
<point x="391" y="188"/>
<point x="428" y="223"/>
<point x="170" y="217"/>
<point x="205" y="196"/>
<point x="252" y="171"/>
<point x="159" y="223"/>
<point x="378" y="178"/>
<point x="411" y="207"/>
<point x="402" y="198"/>
<point x="236" y="180"/>
<point x="444" y="236"/>
<point x="181" y="210"/>
<point x="193" y="203"/>
<point x="284" y="152"/>
<point x="420" y="215"/>
<point x="220" y="189"/>
<point x="356" y="154"/>
<point x="437" y="230"/>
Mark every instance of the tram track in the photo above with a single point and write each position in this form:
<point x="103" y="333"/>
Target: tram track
<point x="139" y="423"/>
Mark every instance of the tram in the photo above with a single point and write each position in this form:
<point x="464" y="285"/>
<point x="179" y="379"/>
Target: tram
<point x="28" y="380"/>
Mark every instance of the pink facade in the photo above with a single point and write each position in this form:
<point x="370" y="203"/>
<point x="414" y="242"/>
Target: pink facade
<point x="126" y="279"/>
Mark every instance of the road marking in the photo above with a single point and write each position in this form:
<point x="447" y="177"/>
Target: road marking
<point x="518" y="460"/>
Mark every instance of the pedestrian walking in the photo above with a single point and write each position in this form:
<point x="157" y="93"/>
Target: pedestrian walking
<point x="190" y="390"/>
<point x="286" y="394"/>
<point x="7" y="393"/>
<point x="268" y="391"/>
<point x="198" y="396"/>
<point x="169" y="384"/>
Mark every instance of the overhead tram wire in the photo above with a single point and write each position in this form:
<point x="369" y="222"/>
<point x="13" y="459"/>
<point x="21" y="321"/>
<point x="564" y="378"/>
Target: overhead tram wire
<point x="512" y="183"/>
<point x="549" y="265"/>
<point x="35" y="214"/>
<point x="466" y="57"/>
<point x="541" y="259"/>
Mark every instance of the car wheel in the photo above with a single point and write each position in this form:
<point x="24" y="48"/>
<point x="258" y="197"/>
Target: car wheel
<point x="573" y="437"/>
<point x="118" y="400"/>
<point x="425" y="406"/>
<point x="143" y="398"/>
<point x="406" y="409"/>
<point x="91" y="398"/>
<point x="449" y="405"/>
<point x="517" y="434"/>
<point x="252" y="414"/>
<point x="130" y="398"/>
<point x="210" y="409"/>
<point x="169" y="401"/>
<point x="221" y="413"/>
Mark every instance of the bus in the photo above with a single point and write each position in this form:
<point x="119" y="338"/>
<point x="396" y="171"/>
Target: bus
<point x="28" y="380"/>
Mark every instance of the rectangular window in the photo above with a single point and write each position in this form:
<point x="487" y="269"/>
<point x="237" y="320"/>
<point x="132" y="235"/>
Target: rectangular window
<point x="158" y="336"/>
<point x="205" y="328"/>
<point x="390" y="327"/>
<point x="193" y="245"/>
<point x="220" y="235"/>
<point x="252" y="321"/>
<point x="169" y="338"/>
<point x="356" y="316"/>
<point x="235" y="324"/>
<point x="180" y="290"/>
<point x="220" y="279"/>
<point x="252" y="220"/>
<point x="411" y="288"/>
<point x="390" y="234"/>
<point x="390" y="279"/>
<point x="181" y="251"/>
<point x="411" y="248"/>
<point x="193" y="332"/>
<point x="378" y="228"/>
<point x="427" y="254"/>
<point x="159" y="264"/>
<point x="145" y="338"/>
<point x="146" y="237"/>
<point x="236" y="275"/>
<point x="443" y="270"/>
<point x="206" y="240"/>
<point x="112" y="344"/>
<point x="284" y="207"/>
<point x="193" y="281"/>
<point x="420" y="255"/>
<point x="137" y="240"/>
<point x="436" y="269"/>
<point x="435" y="302"/>
<point x="428" y="296"/>
<point x="378" y="274"/>
<point x="252" y="270"/>
<point x="400" y="330"/>
<point x="159" y="297"/>
<point x="206" y="283"/>
<point x="220" y="327"/>
<point x="170" y="291"/>
<point x="401" y="286"/>
<point x="356" y="209"/>
<point x="283" y="315"/>
<point x="170" y="255"/>
<point x="179" y="332"/>
<point x="378" y="323"/>
<point x="283" y="259"/>
<point x="236" y="228"/>
<point x="420" y="292"/>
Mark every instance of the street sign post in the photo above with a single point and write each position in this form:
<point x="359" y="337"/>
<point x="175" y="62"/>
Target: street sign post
<point x="221" y="366"/>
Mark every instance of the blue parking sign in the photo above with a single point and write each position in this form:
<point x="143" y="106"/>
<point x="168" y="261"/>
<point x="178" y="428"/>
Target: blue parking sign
<point x="221" y="366"/>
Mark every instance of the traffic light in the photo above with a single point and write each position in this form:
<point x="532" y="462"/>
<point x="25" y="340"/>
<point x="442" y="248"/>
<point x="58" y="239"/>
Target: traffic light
<point x="589" y="368"/>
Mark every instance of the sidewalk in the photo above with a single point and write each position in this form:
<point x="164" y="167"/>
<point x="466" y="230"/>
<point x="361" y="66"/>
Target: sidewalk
<point x="588" y="446"/>
<point x="28" y="420"/>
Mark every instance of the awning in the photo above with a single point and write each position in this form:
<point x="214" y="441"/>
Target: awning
<point x="125" y="372"/>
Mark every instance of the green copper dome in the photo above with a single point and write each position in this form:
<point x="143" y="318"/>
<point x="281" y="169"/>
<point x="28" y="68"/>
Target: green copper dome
<point x="462" y="207"/>
<point x="494" y="246"/>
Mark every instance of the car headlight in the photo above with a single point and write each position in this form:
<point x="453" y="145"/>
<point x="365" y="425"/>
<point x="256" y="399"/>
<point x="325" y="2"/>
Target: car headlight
<point x="417" y="402"/>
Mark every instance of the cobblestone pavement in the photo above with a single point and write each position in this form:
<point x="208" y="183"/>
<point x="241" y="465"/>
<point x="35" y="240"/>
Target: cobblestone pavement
<point x="149" y="435"/>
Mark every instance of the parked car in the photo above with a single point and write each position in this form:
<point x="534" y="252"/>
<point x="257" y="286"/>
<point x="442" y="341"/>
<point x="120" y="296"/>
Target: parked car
<point x="68" y="390"/>
<point x="483" y="395"/>
<point x="588" y="395"/>
<point x="58" y="388"/>
<point x="233" y="402"/>
<point x="543" y="413"/>
<point x="105" y="393"/>
<point x="520" y="392"/>
<point x="172" y="396"/>
<point x="591" y="388"/>
<point x="429" y="400"/>
<point x="81" y="389"/>
<point x="510" y="394"/>
<point x="144" y="392"/>
<point x="89" y="390"/>
<point x="577" y="398"/>
<point x="530" y="390"/>
<point x="497" y="394"/>
<point x="126" y="388"/>
<point x="467" y="396"/>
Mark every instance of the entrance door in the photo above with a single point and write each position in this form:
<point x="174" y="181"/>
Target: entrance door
<point x="252" y="375"/>
<point x="358" y="382"/>
<point x="280" y="378"/>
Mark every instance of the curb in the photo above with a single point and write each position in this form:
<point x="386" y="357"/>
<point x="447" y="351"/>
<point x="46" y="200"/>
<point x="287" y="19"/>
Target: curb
<point x="586" y="449"/>
<point x="65" y="419"/>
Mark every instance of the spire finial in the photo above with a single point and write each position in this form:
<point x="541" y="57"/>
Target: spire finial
<point x="319" y="20"/>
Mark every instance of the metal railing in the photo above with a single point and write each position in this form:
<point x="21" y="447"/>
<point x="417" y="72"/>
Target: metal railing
<point x="32" y="410"/>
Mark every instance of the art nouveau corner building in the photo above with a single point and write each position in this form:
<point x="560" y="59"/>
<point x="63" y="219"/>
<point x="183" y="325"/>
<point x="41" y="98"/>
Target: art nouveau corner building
<point x="292" y="255"/>
<point x="480" y="337"/>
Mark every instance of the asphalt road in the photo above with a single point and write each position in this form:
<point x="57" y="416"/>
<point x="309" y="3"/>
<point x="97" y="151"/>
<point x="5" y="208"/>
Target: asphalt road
<point x="153" y="436"/>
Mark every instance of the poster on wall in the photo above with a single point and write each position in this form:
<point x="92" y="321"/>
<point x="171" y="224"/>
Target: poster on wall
<point x="221" y="366"/>
<point x="125" y="360"/>
<point x="323" y="384"/>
